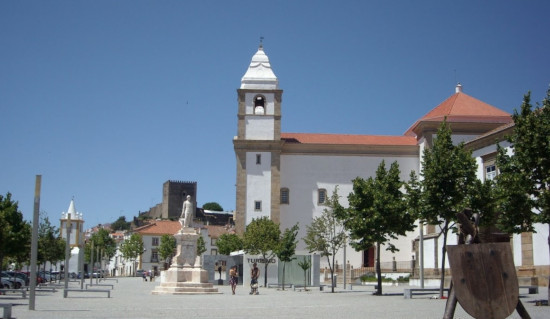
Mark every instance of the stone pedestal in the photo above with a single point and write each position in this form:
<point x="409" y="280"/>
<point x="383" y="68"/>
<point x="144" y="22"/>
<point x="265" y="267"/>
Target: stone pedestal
<point x="185" y="276"/>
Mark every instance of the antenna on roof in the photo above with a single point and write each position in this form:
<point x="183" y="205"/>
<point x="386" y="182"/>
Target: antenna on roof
<point x="455" y="76"/>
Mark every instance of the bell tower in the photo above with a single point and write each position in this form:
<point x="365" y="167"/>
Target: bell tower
<point x="258" y="143"/>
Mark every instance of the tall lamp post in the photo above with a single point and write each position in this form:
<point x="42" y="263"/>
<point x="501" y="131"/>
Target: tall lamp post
<point x="68" y="249"/>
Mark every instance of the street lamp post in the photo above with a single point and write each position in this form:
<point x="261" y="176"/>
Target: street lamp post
<point x="68" y="249"/>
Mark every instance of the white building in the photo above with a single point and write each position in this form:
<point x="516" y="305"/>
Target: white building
<point x="288" y="176"/>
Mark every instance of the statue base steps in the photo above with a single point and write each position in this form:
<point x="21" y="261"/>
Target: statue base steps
<point x="184" y="281"/>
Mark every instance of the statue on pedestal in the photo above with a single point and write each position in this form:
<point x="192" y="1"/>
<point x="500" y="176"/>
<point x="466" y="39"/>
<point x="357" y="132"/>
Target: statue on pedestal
<point x="187" y="212"/>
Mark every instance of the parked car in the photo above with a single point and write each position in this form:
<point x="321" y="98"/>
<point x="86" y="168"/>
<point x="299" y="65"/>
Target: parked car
<point x="141" y="273"/>
<point x="16" y="282"/>
<point x="6" y="284"/>
<point x="20" y="275"/>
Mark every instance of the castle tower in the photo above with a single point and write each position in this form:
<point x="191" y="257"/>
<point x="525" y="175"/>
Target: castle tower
<point x="173" y="196"/>
<point x="258" y="143"/>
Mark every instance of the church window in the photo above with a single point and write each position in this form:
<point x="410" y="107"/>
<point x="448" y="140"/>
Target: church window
<point x="322" y="196"/>
<point x="490" y="170"/>
<point x="258" y="205"/>
<point x="285" y="196"/>
<point x="259" y="105"/>
<point x="258" y="159"/>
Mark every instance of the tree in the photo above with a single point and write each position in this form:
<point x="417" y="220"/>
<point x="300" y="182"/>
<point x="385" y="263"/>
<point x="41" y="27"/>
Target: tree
<point x="15" y="233"/>
<point x="213" y="206"/>
<point x="261" y="237"/>
<point x="287" y="247"/>
<point x="132" y="248"/>
<point x="201" y="246"/>
<point x="228" y="243"/>
<point x="377" y="213"/>
<point x="167" y="246"/>
<point x="326" y="233"/>
<point x="449" y="173"/>
<point x="121" y="224"/>
<point x="305" y="264"/>
<point x="51" y="247"/>
<point x="524" y="182"/>
<point x="104" y="247"/>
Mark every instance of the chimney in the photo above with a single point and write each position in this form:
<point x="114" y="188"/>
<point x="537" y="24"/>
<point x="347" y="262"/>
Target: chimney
<point x="458" y="88"/>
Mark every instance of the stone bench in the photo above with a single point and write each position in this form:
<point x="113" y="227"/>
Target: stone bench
<point x="66" y="291"/>
<point x="408" y="292"/>
<point x="7" y="310"/>
<point x="278" y="285"/>
<point x="532" y="289"/>
<point x="48" y="289"/>
<point x="22" y="291"/>
<point x="100" y="285"/>
<point x="375" y="286"/>
<point x="104" y="279"/>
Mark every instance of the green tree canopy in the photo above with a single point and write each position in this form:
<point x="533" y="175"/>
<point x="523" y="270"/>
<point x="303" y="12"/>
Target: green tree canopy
<point x="377" y="213"/>
<point x="120" y="224"/>
<point x="51" y="247"/>
<point x="261" y="237"/>
<point x="15" y="233"/>
<point x="523" y="185"/>
<point x="326" y="233"/>
<point x="132" y="248"/>
<point x="167" y="246"/>
<point x="449" y="174"/>
<point x="213" y="206"/>
<point x="201" y="246"/>
<point x="287" y="247"/>
<point x="228" y="243"/>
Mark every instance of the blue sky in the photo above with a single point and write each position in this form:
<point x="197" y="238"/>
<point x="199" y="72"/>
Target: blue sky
<point x="107" y="100"/>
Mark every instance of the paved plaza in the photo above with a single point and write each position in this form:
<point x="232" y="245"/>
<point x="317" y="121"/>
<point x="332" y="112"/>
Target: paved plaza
<point x="132" y="298"/>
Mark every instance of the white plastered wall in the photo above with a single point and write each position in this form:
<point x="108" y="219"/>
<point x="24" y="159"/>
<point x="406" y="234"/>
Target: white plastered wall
<point x="304" y="175"/>
<point x="258" y="185"/>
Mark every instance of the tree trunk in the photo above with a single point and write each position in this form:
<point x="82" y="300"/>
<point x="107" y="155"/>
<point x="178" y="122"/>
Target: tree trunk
<point x="284" y="266"/>
<point x="378" y="270"/>
<point x="265" y="272"/>
<point x="444" y="251"/>
<point x="331" y="268"/>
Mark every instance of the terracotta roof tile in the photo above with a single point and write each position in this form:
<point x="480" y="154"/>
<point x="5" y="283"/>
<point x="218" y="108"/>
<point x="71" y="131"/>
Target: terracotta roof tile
<point x="347" y="139"/>
<point x="215" y="231"/>
<point x="461" y="107"/>
<point x="159" y="227"/>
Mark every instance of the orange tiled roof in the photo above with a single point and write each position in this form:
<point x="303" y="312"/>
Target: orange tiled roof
<point x="215" y="231"/>
<point x="461" y="107"/>
<point x="159" y="227"/>
<point x="347" y="139"/>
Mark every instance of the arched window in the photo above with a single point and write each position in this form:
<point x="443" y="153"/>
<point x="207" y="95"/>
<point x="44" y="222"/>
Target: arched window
<point x="259" y="105"/>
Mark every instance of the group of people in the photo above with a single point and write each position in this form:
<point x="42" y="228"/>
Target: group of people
<point x="254" y="275"/>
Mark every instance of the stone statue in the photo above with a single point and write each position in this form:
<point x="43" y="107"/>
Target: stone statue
<point x="187" y="212"/>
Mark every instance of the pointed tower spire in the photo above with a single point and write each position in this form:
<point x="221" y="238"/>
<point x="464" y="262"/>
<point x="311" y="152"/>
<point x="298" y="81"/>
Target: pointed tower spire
<point x="72" y="210"/>
<point x="259" y="74"/>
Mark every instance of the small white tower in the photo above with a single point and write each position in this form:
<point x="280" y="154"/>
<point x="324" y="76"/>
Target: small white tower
<point x="74" y="220"/>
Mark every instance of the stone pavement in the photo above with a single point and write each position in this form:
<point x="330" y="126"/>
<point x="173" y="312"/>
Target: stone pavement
<point x="132" y="298"/>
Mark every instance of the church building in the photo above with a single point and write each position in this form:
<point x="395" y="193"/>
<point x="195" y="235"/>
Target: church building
<point x="289" y="176"/>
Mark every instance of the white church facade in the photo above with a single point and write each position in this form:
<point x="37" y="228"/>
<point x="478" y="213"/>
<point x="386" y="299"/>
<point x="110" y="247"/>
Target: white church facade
<point x="288" y="176"/>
